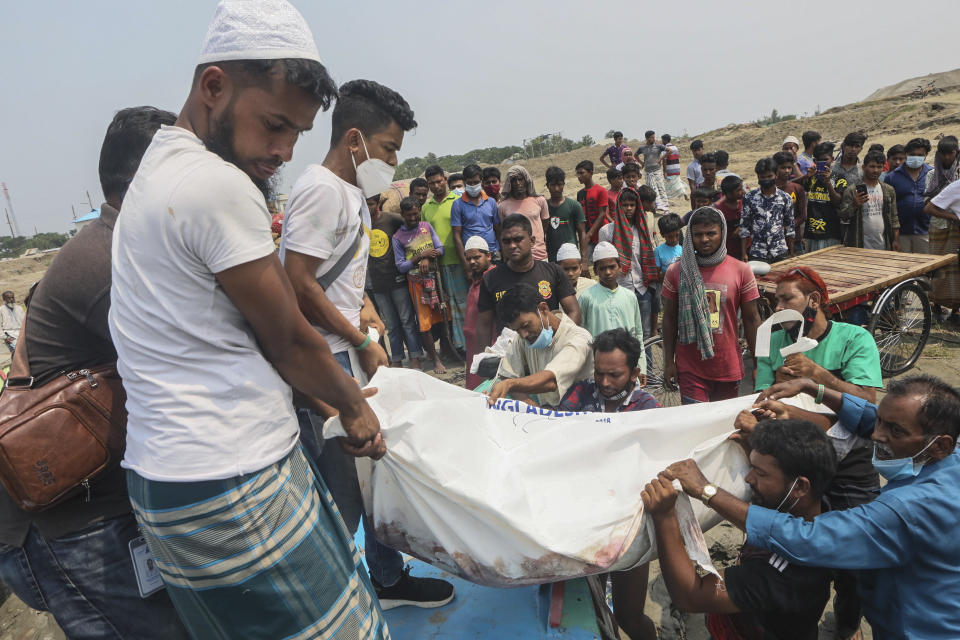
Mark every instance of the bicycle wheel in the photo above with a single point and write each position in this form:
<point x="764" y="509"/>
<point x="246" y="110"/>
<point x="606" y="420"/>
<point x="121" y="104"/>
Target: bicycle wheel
<point x="667" y="394"/>
<point x="901" y="327"/>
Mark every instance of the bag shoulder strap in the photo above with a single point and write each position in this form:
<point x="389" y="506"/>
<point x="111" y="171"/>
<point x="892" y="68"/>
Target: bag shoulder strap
<point x="20" y="365"/>
<point x="334" y="272"/>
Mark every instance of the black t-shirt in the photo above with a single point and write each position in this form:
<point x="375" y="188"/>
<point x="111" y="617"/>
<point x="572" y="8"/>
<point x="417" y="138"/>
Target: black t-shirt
<point x="546" y="277"/>
<point x="68" y="330"/>
<point x="823" y="222"/>
<point x="777" y="598"/>
<point x="382" y="266"/>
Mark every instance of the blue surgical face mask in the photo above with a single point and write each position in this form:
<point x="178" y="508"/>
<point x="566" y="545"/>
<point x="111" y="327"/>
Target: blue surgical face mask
<point x="545" y="337"/>
<point x="900" y="468"/>
<point x="914" y="162"/>
<point x="458" y="191"/>
<point x="473" y="190"/>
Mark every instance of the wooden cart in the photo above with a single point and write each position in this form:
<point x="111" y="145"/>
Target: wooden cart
<point x="886" y="290"/>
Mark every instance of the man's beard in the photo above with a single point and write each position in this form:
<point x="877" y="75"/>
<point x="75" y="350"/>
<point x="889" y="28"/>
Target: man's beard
<point x="220" y="142"/>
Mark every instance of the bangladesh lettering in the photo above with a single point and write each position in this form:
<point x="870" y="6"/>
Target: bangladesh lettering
<point x="515" y="406"/>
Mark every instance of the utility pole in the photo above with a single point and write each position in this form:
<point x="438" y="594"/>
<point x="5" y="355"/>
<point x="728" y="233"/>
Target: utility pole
<point x="74" y="210"/>
<point x="15" y="228"/>
<point x="7" y="213"/>
<point x="89" y="201"/>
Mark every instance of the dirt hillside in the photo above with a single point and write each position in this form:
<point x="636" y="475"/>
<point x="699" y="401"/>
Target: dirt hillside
<point x="944" y="80"/>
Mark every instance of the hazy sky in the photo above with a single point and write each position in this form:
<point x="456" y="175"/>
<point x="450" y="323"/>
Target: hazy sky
<point x="477" y="74"/>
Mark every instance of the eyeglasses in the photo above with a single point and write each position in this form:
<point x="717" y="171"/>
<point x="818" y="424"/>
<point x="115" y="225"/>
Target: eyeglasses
<point x="805" y="276"/>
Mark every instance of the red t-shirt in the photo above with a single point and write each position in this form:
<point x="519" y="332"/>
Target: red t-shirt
<point x="732" y="215"/>
<point x="728" y="285"/>
<point x="592" y="200"/>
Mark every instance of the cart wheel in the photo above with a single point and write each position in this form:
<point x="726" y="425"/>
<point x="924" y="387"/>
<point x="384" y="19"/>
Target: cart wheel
<point x="667" y="394"/>
<point x="901" y="326"/>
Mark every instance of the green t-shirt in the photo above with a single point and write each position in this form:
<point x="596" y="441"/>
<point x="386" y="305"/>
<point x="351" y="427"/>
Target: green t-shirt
<point x="438" y="215"/>
<point x="847" y="351"/>
<point x="562" y="225"/>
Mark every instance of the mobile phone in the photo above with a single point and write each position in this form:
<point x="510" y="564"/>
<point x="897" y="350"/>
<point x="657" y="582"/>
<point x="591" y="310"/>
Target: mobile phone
<point x="862" y="189"/>
<point x="821" y="166"/>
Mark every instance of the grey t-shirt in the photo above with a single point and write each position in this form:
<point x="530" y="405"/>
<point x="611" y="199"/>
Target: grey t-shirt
<point x="872" y="212"/>
<point x="651" y="155"/>
<point x="67" y="330"/>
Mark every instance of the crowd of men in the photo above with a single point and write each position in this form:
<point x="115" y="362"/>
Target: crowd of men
<point x="232" y="354"/>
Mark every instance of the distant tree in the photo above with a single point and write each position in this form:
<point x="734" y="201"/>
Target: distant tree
<point x="14" y="247"/>
<point x="609" y="134"/>
<point x="587" y="141"/>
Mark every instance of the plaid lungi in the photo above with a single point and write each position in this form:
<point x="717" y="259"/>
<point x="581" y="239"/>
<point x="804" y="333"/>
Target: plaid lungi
<point x="946" y="282"/>
<point x="265" y="555"/>
<point x="456" y="286"/>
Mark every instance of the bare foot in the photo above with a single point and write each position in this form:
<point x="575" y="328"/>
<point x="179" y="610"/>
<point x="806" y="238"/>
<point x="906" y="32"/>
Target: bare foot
<point x="415" y="363"/>
<point x="438" y="366"/>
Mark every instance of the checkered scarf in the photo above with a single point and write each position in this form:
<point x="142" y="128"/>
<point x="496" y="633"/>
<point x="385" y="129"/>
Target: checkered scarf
<point x="693" y="314"/>
<point x="623" y="240"/>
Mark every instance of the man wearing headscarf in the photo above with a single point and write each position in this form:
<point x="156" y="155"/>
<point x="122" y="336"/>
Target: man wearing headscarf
<point x="519" y="196"/>
<point x="702" y="294"/>
<point x="243" y="532"/>
<point x="631" y="237"/>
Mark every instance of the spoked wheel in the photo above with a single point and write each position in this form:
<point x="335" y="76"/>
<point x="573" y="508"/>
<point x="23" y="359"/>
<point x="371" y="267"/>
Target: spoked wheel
<point x="900" y="324"/>
<point x="666" y="393"/>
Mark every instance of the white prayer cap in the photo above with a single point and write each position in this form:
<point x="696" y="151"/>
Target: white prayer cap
<point x="605" y="250"/>
<point x="568" y="251"/>
<point x="477" y="242"/>
<point x="257" y="30"/>
<point x="790" y="139"/>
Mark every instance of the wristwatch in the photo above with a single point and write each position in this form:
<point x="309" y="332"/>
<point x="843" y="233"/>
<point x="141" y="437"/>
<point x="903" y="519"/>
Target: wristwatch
<point x="709" y="491"/>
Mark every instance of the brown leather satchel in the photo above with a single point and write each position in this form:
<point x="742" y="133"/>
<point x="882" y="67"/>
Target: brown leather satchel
<point x="55" y="437"/>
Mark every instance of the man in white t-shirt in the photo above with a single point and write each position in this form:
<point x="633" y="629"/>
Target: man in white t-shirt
<point x="210" y="340"/>
<point x="324" y="250"/>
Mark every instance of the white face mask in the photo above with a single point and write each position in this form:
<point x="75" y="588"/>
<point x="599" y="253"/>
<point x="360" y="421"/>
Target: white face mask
<point x="373" y="174"/>
<point x="473" y="190"/>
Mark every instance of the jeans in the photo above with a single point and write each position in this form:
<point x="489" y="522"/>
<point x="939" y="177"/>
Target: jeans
<point x="816" y="245"/>
<point x="87" y="581"/>
<point x="340" y="474"/>
<point x="646" y="310"/>
<point x="398" y="314"/>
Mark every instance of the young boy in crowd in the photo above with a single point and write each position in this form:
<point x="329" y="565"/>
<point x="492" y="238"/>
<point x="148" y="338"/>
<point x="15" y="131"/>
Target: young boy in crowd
<point x="593" y="200"/>
<point x="388" y="287"/>
<point x="455" y="183"/>
<point x="631" y="175"/>
<point x="477" y="254"/>
<point x="847" y="166"/>
<point x="669" y="252"/>
<point x="631" y="235"/>
<point x="615" y="179"/>
<point x="823" y="197"/>
<point x="491" y="182"/>
<point x="568" y="257"/>
<point x="610" y="306"/>
<point x="567" y="223"/>
<point x="415" y="245"/>
<point x="731" y="206"/>
<point x="694" y="173"/>
<point x="786" y="166"/>
<point x="708" y="170"/>
<point x="700" y="198"/>
<point x="652" y="153"/>
<point x="723" y="164"/>
<point x="869" y="209"/>
<point x="805" y="158"/>
<point x="649" y="200"/>
<point x="767" y="218"/>
<point x="896" y="156"/>
<point x="611" y="156"/>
